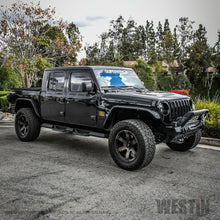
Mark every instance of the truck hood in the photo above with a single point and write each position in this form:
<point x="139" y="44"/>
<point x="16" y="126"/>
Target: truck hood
<point x="141" y="97"/>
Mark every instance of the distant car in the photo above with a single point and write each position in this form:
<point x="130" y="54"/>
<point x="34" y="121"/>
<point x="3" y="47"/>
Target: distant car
<point x="108" y="102"/>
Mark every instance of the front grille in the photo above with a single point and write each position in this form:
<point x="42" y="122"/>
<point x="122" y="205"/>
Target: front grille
<point x="179" y="108"/>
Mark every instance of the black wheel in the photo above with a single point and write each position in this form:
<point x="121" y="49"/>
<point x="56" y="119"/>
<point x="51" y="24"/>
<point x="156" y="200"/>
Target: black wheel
<point x="187" y="143"/>
<point x="27" y="125"/>
<point x="131" y="144"/>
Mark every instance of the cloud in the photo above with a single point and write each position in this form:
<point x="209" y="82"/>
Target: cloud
<point x="82" y="24"/>
<point x="88" y="21"/>
<point x="95" y="18"/>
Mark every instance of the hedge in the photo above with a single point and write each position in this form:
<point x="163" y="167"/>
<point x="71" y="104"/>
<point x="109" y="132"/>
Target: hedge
<point x="212" y="126"/>
<point x="3" y="93"/>
<point x="3" y="103"/>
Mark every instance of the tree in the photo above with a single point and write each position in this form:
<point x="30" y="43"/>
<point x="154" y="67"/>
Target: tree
<point x="27" y="31"/>
<point x="127" y="37"/>
<point x="185" y="34"/>
<point x="8" y="79"/>
<point x="216" y="54"/>
<point x="60" y="42"/>
<point x="167" y="43"/>
<point x="92" y="54"/>
<point x="150" y="35"/>
<point x="166" y="28"/>
<point x="145" y="73"/>
<point x="176" y="46"/>
<point x="123" y="41"/>
<point x="159" y="39"/>
<point x="199" y="57"/>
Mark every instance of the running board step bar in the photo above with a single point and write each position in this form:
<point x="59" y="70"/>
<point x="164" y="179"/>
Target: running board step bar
<point x="75" y="131"/>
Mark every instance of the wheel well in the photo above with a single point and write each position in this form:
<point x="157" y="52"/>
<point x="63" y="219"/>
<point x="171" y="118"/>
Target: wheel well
<point x="25" y="104"/>
<point x="125" y="114"/>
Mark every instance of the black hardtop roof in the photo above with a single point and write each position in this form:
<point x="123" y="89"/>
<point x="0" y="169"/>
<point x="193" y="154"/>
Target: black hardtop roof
<point x="86" y="68"/>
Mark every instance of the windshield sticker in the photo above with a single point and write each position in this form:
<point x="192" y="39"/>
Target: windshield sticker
<point x="114" y="78"/>
<point x="118" y="78"/>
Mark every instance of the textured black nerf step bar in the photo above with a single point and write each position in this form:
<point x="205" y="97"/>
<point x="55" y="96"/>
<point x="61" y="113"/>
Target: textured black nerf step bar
<point x="189" y="115"/>
<point x="77" y="131"/>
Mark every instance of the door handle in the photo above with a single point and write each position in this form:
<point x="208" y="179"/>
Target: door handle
<point x="68" y="100"/>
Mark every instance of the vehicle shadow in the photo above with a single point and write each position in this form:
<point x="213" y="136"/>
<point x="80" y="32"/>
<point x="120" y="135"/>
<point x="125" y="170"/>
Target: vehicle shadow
<point x="92" y="153"/>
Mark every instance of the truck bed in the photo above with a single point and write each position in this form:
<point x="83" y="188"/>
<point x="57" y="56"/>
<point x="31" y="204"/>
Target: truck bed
<point x="16" y="93"/>
<point x="27" y="91"/>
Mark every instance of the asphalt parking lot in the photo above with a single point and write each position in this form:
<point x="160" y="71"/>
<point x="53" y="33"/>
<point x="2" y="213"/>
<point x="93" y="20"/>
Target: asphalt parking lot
<point x="61" y="176"/>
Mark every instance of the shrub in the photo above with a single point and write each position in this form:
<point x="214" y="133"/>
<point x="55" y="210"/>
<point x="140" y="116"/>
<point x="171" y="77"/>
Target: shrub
<point x="173" y="81"/>
<point x="181" y="81"/>
<point x="145" y="74"/>
<point x="212" y="126"/>
<point x="9" y="79"/>
<point x="3" y="93"/>
<point x="165" y="83"/>
<point x="3" y="103"/>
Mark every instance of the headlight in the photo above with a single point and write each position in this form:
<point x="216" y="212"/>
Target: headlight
<point x="163" y="108"/>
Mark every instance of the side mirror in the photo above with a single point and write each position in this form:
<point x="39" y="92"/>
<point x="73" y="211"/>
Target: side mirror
<point x="87" y="87"/>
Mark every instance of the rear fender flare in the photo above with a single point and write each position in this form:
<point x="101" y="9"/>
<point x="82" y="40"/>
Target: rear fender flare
<point x="32" y="103"/>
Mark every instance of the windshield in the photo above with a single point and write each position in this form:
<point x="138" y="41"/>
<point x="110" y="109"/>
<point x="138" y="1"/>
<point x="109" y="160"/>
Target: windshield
<point x="118" y="78"/>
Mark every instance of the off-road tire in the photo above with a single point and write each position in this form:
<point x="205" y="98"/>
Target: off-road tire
<point x="188" y="143"/>
<point x="145" y="144"/>
<point x="28" y="118"/>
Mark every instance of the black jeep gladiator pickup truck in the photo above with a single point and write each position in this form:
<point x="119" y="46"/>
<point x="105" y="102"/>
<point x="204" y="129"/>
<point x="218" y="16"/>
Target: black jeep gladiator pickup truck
<point x="108" y="102"/>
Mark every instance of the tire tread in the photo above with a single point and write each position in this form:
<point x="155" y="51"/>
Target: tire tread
<point x="34" y="122"/>
<point x="147" y="136"/>
<point x="190" y="143"/>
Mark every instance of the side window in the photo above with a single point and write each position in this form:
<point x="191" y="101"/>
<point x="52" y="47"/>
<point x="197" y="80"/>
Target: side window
<point x="56" y="81"/>
<point x="77" y="79"/>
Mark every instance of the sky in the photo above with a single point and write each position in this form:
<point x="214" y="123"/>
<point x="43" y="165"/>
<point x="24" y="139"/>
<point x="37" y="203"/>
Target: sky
<point x="93" y="16"/>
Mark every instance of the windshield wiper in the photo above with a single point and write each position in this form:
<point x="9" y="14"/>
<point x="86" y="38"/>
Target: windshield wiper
<point x="107" y="88"/>
<point x="133" y="87"/>
<point x="138" y="89"/>
<point x="110" y="87"/>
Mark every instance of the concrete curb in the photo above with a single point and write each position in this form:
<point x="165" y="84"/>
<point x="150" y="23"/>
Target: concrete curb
<point x="6" y="123"/>
<point x="210" y="141"/>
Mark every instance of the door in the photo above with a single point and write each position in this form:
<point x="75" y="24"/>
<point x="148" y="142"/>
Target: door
<point x="53" y="98"/>
<point x="80" y="106"/>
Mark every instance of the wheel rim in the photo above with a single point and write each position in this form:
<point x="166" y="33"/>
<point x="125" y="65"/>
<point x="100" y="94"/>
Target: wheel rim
<point x="127" y="146"/>
<point x="180" y="141"/>
<point x="22" y="125"/>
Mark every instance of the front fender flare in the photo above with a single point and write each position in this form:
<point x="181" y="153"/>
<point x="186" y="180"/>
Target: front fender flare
<point x="154" y="114"/>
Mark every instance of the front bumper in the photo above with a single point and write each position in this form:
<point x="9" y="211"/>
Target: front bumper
<point x="187" y="125"/>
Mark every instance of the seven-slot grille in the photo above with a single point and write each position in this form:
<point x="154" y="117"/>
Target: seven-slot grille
<point x="179" y="107"/>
